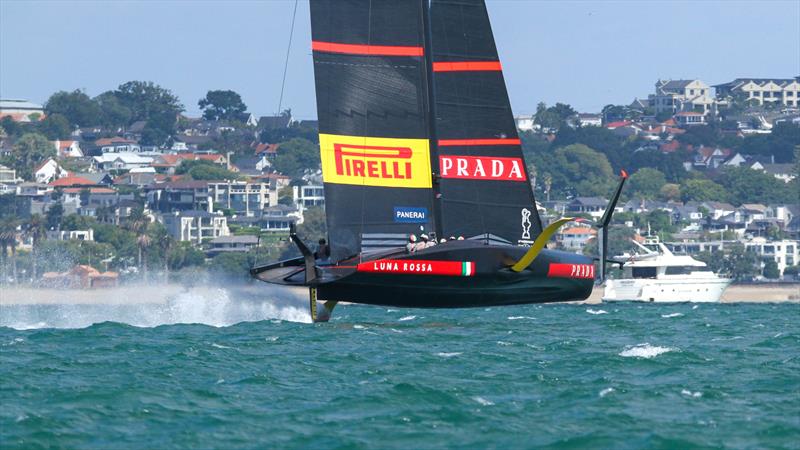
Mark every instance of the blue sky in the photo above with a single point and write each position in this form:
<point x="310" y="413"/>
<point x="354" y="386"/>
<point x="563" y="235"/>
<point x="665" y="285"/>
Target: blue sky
<point x="586" y="53"/>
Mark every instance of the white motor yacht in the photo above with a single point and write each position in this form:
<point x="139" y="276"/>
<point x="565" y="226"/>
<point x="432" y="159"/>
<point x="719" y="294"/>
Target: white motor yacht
<point x="661" y="276"/>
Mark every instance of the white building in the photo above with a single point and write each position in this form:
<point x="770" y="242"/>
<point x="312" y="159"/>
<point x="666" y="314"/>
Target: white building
<point x="307" y="196"/>
<point x="71" y="235"/>
<point x="195" y="226"/>
<point x="785" y="91"/>
<point x="121" y="161"/>
<point x="575" y="238"/>
<point x="48" y="171"/>
<point x="681" y="95"/>
<point x="20" y="110"/>
<point x="785" y="252"/>
<point x="68" y="149"/>
<point x="525" y="123"/>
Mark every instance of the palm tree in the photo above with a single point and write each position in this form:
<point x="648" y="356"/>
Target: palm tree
<point x="165" y="243"/>
<point x="143" y="242"/>
<point x="8" y="238"/>
<point x="35" y="230"/>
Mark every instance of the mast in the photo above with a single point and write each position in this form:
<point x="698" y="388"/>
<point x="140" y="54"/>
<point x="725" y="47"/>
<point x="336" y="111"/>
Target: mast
<point x="428" y="45"/>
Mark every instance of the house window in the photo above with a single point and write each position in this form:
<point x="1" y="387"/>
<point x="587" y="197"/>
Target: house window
<point x="691" y="91"/>
<point x="790" y="93"/>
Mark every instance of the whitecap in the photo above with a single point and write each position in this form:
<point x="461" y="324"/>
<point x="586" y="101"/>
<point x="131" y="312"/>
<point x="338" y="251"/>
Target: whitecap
<point x="695" y="306"/>
<point x="689" y="393"/>
<point x="521" y="317"/>
<point x="448" y="354"/>
<point x="215" y="345"/>
<point x="667" y="316"/>
<point x="595" y="312"/>
<point x="220" y="381"/>
<point x="644" y="351"/>
<point x="483" y="401"/>
<point x="392" y="310"/>
<point x="403" y="319"/>
<point x="504" y="343"/>
<point x="396" y="330"/>
<point x="359" y="327"/>
<point x="606" y="391"/>
<point x="271" y="338"/>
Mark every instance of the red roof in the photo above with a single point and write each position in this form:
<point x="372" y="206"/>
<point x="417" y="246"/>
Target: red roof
<point x="64" y="144"/>
<point x="267" y="148"/>
<point x="113" y="140"/>
<point x="72" y="181"/>
<point x="670" y="146"/>
<point x="579" y="230"/>
<point x="174" y="160"/>
<point x="621" y="123"/>
<point x="669" y="122"/>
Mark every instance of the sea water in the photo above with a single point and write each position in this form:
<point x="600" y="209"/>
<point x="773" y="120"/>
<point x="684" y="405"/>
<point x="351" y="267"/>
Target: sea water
<point x="211" y="369"/>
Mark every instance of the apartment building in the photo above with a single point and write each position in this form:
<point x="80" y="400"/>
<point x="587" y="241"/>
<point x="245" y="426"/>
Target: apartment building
<point x="785" y="91"/>
<point x="681" y="95"/>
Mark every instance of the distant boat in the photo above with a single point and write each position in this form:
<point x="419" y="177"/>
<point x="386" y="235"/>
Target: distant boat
<point x="417" y="136"/>
<point x="658" y="275"/>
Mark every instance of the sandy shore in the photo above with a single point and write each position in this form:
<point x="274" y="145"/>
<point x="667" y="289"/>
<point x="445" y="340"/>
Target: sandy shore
<point x="158" y="294"/>
<point x="746" y="293"/>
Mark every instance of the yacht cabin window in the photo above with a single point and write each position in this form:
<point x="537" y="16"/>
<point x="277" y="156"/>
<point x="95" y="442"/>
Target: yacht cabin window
<point x="679" y="270"/>
<point x="644" y="272"/>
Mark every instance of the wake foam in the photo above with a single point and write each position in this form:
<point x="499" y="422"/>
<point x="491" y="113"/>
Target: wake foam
<point x="644" y="351"/>
<point x="214" y="306"/>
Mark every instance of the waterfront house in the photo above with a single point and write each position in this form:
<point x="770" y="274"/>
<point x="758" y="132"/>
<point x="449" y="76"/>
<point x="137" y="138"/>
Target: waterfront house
<point x="117" y="145"/>
<point x="227" y="244"/>
<point x="68" y="149"/>
<point x="194" y="226"/>
<point x="49" y="170"/>
<point x="575" y="238"/>
<point x="80" y="277"/>
<point x="593" y="206"/>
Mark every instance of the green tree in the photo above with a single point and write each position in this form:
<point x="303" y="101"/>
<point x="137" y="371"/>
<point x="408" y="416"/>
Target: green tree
<point x="297" y="156"/>
<point x="8" y="240"/>
<point x="702" y="190"/>
<point x="771" y="270"/>
<point x="222" y="105"/>
<point x="150" y="102"/>
<point x="314" y="226"/>
<point x="30" y="150"/>
<point x="76" y="107"/>
<point x="205" y="170"/>
<point x="11" y="127"/>
<point x="35" y="229"/>
<point x="113" y="114"/>
<point x="54" y="126"/>
<point x="745" y="185"/>
<point x="670" y="192"/>
<point x="579" y="170"/>
<point x="54" y="215"/>
<point x="646" y="183"/>
<point x="234" y="265"/>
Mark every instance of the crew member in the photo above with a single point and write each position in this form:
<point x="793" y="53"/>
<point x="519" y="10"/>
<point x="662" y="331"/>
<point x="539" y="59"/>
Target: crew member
<point x="423" y="242"/>
<point x="412" y="243"/>
<point x="323" y="251"/>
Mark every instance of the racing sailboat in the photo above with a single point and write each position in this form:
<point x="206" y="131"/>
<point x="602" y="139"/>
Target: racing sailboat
<point x="417" y="135"/>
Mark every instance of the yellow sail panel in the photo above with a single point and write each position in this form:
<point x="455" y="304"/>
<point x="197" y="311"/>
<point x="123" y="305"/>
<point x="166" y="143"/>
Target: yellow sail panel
<point x="374" y="161"/>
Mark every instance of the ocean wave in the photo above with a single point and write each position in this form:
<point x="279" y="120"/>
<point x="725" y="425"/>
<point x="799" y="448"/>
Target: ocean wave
<point x="448" y="354"/>
<point x="596" y="311"/>
<point x="521" y="317"/>
<point x="169" y="305"/>
<point x="403" y="319"/>
<point x="689" y="393"/>
<point x="667" y="316"/>
<point x="483" y="401"/>
<point x="644" y="351"/>
<point x="606" y="391"/>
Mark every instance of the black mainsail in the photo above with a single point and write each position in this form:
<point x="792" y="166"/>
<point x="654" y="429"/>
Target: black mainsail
<point x="371" y="84"/>
<point x="416" y="133"/>
<point x="483" y="180"/>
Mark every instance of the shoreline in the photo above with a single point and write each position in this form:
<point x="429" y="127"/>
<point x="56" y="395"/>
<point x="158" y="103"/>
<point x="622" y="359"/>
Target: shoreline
<point x="738" y="293"/>
<point x="161" y="294"/>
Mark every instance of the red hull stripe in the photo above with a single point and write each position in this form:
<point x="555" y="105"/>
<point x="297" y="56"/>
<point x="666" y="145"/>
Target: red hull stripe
<point x="419" y="267"/>
<point x="473" y="142"/>
<point x="559" y="270"/>
<point x="467" y="66"/>
<point x="372" y="50"/>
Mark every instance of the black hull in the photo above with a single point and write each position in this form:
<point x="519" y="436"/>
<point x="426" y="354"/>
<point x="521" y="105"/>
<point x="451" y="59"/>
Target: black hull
<point x="493" y="283"/>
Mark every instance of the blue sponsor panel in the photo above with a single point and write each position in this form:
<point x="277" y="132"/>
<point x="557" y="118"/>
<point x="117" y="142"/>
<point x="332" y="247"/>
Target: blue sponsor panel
<point x="410" y="214"/>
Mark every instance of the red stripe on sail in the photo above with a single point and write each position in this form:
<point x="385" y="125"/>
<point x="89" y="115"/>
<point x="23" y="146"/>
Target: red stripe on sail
<point x="372" y="50"/>
<point x="467" y="66"/>
<point x="473" y="142"/>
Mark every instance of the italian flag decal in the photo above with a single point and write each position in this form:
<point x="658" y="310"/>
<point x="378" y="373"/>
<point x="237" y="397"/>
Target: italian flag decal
<point x="419" y="267"/>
